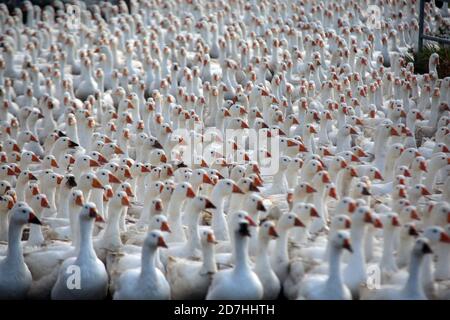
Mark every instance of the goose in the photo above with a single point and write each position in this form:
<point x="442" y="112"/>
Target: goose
<point x="331" y="287"/>
<point x="263" y="269"/>
<point x="221" y="189"/>
<point x="94" y="280"/>
<point x="226" y="284"/>
<point x="279" y="259"/>
<point x="191" y="279"/>
<point x="146" y="282"/>
<point x="412" y="290"/>
<point x="16" y="278"/>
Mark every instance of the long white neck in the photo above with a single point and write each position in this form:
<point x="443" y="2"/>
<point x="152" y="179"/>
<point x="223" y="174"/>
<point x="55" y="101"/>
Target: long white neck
<point x="86" y="246"/>
<point x="148" y="270"/>
<point x="413" y="284"/>
<point x="63" y="208"/>
<point x="262" y="258"/>
<point x="111" y="237"/>
<point x="218" y="223"/>
<point x="281" y="246"/>
<point x="241" y="253"/>
<point x="193" y="241"/>
<point x="74" y="212"/>
<point x="15" y="254"/>
<point x="387" y="260"/>
<point x="36" y="237"/>
<point x="209" y="260"/>
<point x="334" y="269"/>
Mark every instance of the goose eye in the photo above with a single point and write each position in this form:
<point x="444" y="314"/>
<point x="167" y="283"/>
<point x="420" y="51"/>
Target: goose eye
<point x="24" y="211"/>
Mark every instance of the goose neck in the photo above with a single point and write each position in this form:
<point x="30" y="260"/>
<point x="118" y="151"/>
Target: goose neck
<point x="413" y="284"/>
<point x="15" y="252"/>
<point x="86" y="245"/>
<point x="148" y="270"/>
<point x="335" y="275"/>
<point x="241" y="253"/>
<point x="209" y="261"/>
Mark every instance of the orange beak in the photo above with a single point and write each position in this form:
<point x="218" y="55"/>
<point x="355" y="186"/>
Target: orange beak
<point x="273" y="232"/>
<point x="332" y="193"/>
<point x="163" y="158"/>
<point x="113" y="179"/>
<point x="161" y="242"/>
<point x="236" y="189"/>
<point x="207" y="180"/>
<point x="394" y="132"/>
<point x="16" y="147"/>
<point x="93" y="163"/>
<point x="378" y="175"/>
<point x="310" y="189"/>
<point x="33" y="138"/>
<point x="444" y="238"/>
<point x="44" y="203"/>
<point x="125" y="201"/>
<point x="59" y="179"/>
<point x="351" y="207"/>
<point x="10" y="172"/>
<point x="326" y="178"/>
<point x="425" y="192"/>
<point x="190" y="193"/>
<point x="97" y="184"/>
<point x="118" y="150"/>
<point x="165" y="227"/>
<point x="79" y="201"/>
<point x="244" y="125"/>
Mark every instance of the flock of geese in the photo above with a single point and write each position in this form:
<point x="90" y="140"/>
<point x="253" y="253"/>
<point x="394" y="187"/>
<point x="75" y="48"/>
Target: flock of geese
<point x="110" y="186"/>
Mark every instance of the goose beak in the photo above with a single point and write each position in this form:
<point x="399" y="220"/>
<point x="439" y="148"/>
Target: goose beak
<point x="413" y="231"/>
<point x="351" y="207"/>
<point x="314" y="213"/>
<point x="298" y="223"/>
<point x="33" y="138"/>
<point x="273" y="232"/>
<point x="333" y="193"/>
<point x="44" y="203"/>
<point x="236" y="189"/>
<point x="109" y="193"/>
<point x="347" y="245"/>
<point x="260" y="206"/>
<point x="31" y="176"/>
<point x="33" y="219"/>
<point x="211" y="239"/>
<point x="158" y="206"/>
<point x="377" y="223"/>
<point x="113" y="179"/>
<point x="79" y="201"/>
<point x="16" y="147"/>
<point x="250" y="221"/>
<point x="54" y="164"/>
<point x="165" y="227"/>
<point x="395" y="222"/>
<point x="10" y="172"/>
<point x="127" y="174"/>
<point x="425" y="192"/>
<point x="415" y="215"/>
<point x="253" y="187"/>
<point x="368" y="218"/>
<point x="207" y="180"/>
<point x="444" y="238"/>
<point x="118" y="150"/>
<point x="244" y="125"/>
<point x="190" y="193"/>
<point x="125" y="201"/>
<point x="378" y="175"/>
<point x="163" y="158"/>
<point x="97" y="184"/>
<point x="394" y="132"/>
<point x="348" y="224"/>
<point x="93" y="163"/>
<point x="209" y="204"/>
<point x="310" y="189"/>
<point x="365" y="192"/>
<point x="59" y="179"/>
<point x="161" y="242"/>
<point x="326" y="178"/>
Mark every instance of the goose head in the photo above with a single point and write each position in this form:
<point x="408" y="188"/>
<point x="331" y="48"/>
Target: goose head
<point x="49" y="162"/>
<point x="123" y="172"/>
<point x="6" y="204"/>
<point x="305" y="212"/>
<point x="159" y="222"/>
<point x="68" y="181"/>
<point x="246" y="185"/>
<point x="408" y="230"/>
<point x="436" y="234"/>
<point x="156" y="207"/>
<point x="289" y="220"/>
<point x="26" y="176"/>
<point x="89" y="214"/>
<point x="340" y="222"/>
<point x="346" y="205"/>
<point x="106" y="177"/>
<point x="200" y="176"/>
<point x="155" y="239"/>
<point x="39" y="202"/>
<point x="390" y="221"/>
<point x="89" y="181"/>
<point x="341" y="240"/>
<point x="267" y="231"/>
<point x="50" y="179"/>
<point x="119" y="200"/>
<point x="22" y="214"/>
<point x="362" y="216"/>
<point x="183" y="191"/>
<point x="227" y="187"/>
